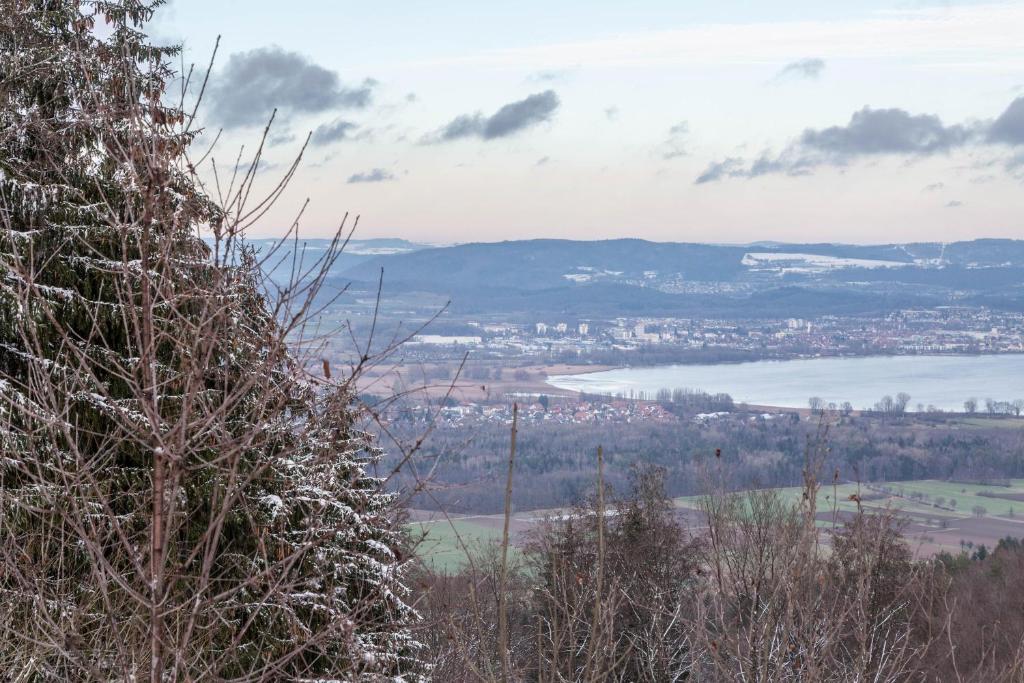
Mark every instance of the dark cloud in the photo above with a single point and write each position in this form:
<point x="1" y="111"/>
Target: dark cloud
<point x="802" y="68"/>
<point x="516" y="116"/>
<point x="460" y="127"/>
<point x="376" y="175"/>
<point x="510" y="119"/>
<point x="543" y="161"/>
<point x="334" y="131"/>
<point x="885" y="131"/>
<point x="252" y="84"/>
<point x="785" y="163"/>
<point x="1009" y="127"/>
<point x="611" y="113"/>
<point x="954" y="204"/>
<point x="934" y="187"/>
<point x="731" y="167"/>
<point x="870" y="132"/>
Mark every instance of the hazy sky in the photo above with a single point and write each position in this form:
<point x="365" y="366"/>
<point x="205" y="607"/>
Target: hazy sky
<point x="707" y="120"/>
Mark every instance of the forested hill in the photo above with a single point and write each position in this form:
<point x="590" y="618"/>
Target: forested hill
<point x="630" y="276"/>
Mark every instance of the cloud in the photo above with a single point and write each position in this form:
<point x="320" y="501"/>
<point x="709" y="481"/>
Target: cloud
<point x="1015" y="166"/>
<point x="927" y="34"/>
<point x="376" y="175"/>
<point x="282" y="138"/>
<point x="674" y="151"/>
<point x="460" y="127"/>
<point x="1009" y="127"/>
<point x="885" y="131"/>
<point x="252" y="84"/>
<point x="509" y="120"/>
<point x="674" y="146"/>
<point x="716" y="170"/>
<point x="516" y="116"/>
<point x="870" y="132"/>
<point x="546" y="77"/>
<point x="736" y="167"/>
<point x="334" y="131"/>
<point x="263" y="166"/>
<point x="802" y="68"/>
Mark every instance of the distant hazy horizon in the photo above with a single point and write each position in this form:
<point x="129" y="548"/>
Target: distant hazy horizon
<point x="361" y="236"/>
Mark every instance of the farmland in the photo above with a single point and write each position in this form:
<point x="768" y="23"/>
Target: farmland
<point x="937" y="516"/>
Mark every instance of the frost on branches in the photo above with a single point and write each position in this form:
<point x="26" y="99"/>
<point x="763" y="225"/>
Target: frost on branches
<point x="178" y="500"/>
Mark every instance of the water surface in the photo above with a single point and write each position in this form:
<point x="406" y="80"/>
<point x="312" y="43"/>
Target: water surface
<point x="942" y="381"/>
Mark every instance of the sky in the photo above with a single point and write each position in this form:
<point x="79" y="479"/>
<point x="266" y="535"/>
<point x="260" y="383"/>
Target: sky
<point x="702" y="121"/>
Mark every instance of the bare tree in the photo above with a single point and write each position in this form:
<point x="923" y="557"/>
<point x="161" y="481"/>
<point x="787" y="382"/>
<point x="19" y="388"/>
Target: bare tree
<point x="775" y="607"/>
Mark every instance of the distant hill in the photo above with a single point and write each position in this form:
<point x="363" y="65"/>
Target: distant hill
<point x="539" y="264"/>
<point x="278" y="254"/>
<point x="632" y="276"/>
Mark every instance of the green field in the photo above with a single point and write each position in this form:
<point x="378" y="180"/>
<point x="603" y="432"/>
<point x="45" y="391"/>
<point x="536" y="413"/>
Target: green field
<point x="988" y="422"/>
<point x="900" y="497"/>
<point x="441" y="548"/>
<point x="829" y="499"/>
<point x="965" y="495"/>
<point x="443" y="543"/>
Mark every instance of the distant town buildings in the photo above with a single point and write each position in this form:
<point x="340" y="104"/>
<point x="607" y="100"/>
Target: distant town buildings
<point x="446" y="340"/>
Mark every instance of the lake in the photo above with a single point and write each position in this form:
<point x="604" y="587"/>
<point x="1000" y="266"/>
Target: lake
<point x="943" y="381"/>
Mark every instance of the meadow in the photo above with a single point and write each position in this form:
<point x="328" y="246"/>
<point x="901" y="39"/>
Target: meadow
<point x="938" y="515"/>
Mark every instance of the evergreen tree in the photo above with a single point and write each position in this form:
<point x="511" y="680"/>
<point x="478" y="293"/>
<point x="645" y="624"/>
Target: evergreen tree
<point x="178" y="499"/>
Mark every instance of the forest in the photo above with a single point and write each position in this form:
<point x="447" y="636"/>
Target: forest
<point x="554" y="458"/>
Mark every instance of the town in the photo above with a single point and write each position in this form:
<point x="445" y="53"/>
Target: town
<point x="940" y="330"/>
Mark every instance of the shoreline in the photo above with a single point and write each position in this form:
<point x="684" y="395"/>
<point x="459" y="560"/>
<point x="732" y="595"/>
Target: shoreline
<point x="932" y="382"/>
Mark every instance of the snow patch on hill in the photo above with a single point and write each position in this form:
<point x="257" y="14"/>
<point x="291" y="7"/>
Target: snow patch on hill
<point x="783" y="262"/>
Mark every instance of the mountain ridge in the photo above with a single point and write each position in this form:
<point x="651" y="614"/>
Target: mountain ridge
<point x="633" y="276"/>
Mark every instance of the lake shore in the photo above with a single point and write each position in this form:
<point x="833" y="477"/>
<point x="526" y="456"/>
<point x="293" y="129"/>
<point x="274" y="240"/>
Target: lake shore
<point x="944" y="382"/>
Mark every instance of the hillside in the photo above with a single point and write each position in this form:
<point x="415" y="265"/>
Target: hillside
<point x="632" y="276"/>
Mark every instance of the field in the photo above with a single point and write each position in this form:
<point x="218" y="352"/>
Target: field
<point x="421" y="379"/>
<point x="442" y="543"/>
<point x="981" y="514"/>
<point x="987" y="422"/>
